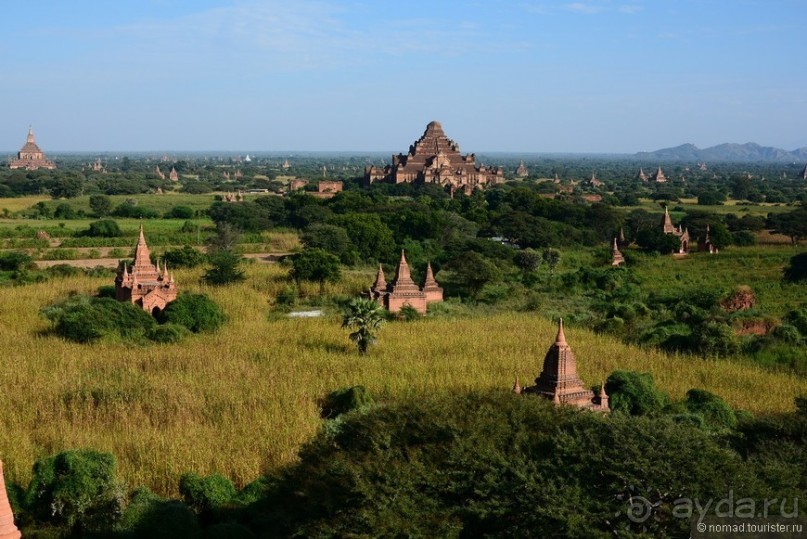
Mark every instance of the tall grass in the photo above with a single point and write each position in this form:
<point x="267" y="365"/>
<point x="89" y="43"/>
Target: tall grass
<point x="242" y="401"/>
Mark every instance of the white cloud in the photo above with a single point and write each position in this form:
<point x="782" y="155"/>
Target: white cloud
<point x="581" y="7"/>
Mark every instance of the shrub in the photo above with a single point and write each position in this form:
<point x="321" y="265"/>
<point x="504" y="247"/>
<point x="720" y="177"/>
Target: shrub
<point x="634" y="393"/>
<point x="104" y="228"/>
<point x="184" y="257"/>
<point x="85" y="319"/>
<point x="168" y="333"/>
<point x="713" y="408"/>
<point x="100" y="205"/>
<point x="345" y="400"/>
<point x="179" y="212"/>
<point x="106" y="291"/>
<point x="787" y="333"/>
<point x="224" y="268"/>
<point x="15" y="261"/>
<point x="196" y="312"/>
<point x="287" y="296"/>
<point x="150" y="517"/>
<point x="63" y="270"/>
<point x="743" y="238"/>
<point x="205" y="494"/>
<point x="76" y="488"/>
<point x="798" y="319"/>
<point x="65" y="211"/>
<point x="797" y="270"/>
<point x="407" y="313"/>
<point x="315" y="265"/>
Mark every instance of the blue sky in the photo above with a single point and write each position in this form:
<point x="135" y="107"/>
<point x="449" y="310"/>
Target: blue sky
<point x="521" y="75"/>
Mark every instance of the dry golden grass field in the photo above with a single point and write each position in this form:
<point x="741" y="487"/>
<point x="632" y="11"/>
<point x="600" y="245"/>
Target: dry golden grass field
<point x="243" y="400"/>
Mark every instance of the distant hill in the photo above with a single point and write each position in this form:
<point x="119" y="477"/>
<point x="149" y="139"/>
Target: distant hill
<point x="747" y="152"/>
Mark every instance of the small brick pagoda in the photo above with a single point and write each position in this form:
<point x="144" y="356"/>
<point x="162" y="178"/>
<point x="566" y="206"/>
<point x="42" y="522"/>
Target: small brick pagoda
<point x="617" y="259"/>
<point x="435" y="158"/>
<point x="559" y="381"/>
<point x="7" y="528"/>
<point x="30" y="157"/>
<point x="403" y="290"/>
<point x="681" y="234"/>
<point x="521" y="171"/>
<point x="146" y="285"/>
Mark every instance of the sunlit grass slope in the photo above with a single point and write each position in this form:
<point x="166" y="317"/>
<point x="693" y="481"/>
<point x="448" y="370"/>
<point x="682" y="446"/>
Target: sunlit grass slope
<point x="243" y="400"/>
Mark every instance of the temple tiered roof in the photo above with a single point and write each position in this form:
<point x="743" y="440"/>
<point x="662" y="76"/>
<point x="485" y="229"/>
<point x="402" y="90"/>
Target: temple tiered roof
<point x="30" y="156"/>
<point x="435" y="158"/>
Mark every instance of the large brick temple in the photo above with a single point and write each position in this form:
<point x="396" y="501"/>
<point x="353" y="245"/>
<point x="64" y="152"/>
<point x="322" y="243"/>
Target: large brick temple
<point x="30" y="157"/>
<point x="435" y="158"/>
<point x="146" y="285"/>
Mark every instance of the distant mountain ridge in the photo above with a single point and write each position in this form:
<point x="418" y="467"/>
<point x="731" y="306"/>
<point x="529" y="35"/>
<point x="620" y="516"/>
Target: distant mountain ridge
<point x="750" y="151"/>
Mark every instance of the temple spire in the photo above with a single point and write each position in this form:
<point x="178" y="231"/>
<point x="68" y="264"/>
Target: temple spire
<point x="403" y="279"/>
<point x="380" y="281"/>
<point x="30" y="138"/>
<point x="561" y="338"/>
<point x="7" y="528"/>
<point x="667" y="224"/>
<point x="429" y="276"/>
<point x="617" y="258"/>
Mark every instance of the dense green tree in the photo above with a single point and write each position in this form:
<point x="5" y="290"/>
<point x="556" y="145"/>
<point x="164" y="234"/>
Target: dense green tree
<point x="372" y="238"/>
<point x="551" y="258"/>
<point x="499" y="465"/>
<point x="711" y="407"/>
<point x="104" y="228"/>
<point x="792" y="224"/>
<point x="796" y="271"/>
<point x="655" y="240"/>
<point x="100" y="205"/>
<point x="711" y="198"/>
<point x="67" y="187"/>
<point x="184" y="257"/>
<point x="527" y="260"/>
<point x="470" y="272"/>
<point x="197" y="312"/>
<point x="331" y="238"/>
<point x="86" y="319"/>
<point x="225" y="267"/>
<point x="315" y="265"/>
<point x="77" y="489"/>
<point x="634" y="393"/>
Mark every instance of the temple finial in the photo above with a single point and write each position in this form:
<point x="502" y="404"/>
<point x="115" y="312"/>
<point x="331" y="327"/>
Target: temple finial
<point x="561" y="338"/>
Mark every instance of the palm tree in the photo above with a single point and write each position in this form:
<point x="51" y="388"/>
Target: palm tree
<point x="366" y="316"/>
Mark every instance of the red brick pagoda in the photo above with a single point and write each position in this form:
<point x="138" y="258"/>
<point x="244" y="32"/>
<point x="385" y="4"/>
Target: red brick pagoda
<point x="403" y="291"/>
<point x="559" y="381"/>
<point x="146" y="285"/>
